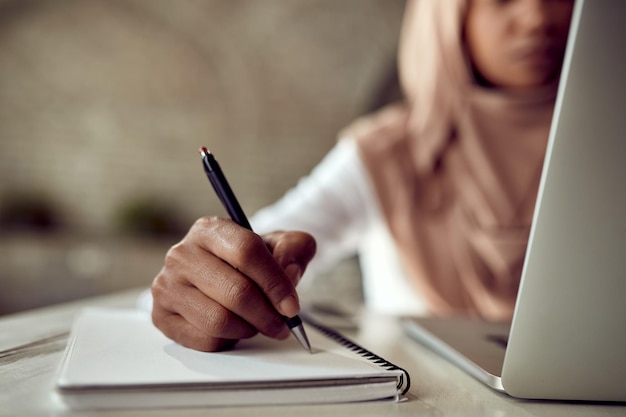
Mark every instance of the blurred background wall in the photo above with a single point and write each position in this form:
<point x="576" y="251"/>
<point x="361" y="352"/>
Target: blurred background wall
<point x="104" y="104"/>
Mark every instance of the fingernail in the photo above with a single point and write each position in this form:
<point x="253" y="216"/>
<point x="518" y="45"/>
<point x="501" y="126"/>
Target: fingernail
<point x="289" y="306"/>
<point x="294" y="272"/>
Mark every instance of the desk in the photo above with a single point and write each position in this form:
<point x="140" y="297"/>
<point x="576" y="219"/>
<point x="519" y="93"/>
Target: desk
<point x="32" y="343"/>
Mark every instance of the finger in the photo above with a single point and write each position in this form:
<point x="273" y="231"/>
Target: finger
<point x="177" y="328"/>
<point x="205" y="315"/>
<point x="240" y="295"/>
<point x="292" y="250"/>
<point x="247" y="252"/>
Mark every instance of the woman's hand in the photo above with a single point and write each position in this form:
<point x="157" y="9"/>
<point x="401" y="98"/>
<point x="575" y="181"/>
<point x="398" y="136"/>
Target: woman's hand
<point x="223" y="283"/>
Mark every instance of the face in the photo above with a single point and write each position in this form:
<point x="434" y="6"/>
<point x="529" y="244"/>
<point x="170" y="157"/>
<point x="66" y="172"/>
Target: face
<point x="517" y="44"/>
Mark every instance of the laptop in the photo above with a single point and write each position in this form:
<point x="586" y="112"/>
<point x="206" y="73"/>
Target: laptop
<point x="567" y="339"/>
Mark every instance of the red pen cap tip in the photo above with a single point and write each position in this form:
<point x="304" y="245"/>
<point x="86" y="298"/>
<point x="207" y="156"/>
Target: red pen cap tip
<point x="203" y="150"/>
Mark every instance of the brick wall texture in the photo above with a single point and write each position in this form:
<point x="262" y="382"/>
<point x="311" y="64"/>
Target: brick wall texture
<point x="105" y="102"/>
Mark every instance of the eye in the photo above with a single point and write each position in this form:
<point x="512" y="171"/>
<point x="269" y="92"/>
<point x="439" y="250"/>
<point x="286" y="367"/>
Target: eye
<point x="502" y="2"/>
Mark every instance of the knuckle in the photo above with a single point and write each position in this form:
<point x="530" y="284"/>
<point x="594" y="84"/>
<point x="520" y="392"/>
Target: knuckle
<point x="205" y="222"/>
<point x="160" y="287"/>
<point x="173" y="256"/>
<point x="276" y="288"/>
<point x="216" y="321"/>
<point x="295" y="246"/>
<point x="250" y="248"/>
<point x="239" y="293"/>
<point x="201" y="228"/>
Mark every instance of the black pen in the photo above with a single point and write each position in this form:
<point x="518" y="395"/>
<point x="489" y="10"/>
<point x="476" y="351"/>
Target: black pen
<point x="229" y="201"/>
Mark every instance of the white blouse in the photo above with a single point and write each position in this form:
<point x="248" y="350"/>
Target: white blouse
<point x="337" y="205"/>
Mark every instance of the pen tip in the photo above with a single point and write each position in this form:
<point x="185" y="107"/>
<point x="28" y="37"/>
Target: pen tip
<point x="203" y="150"/>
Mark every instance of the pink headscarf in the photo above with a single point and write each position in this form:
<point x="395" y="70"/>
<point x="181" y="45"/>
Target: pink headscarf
<point x="456" y="168"/>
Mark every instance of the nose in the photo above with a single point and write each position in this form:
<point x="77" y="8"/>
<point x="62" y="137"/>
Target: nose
<point x="533" y="15"/>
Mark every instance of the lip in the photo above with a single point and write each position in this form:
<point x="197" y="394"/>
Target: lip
<point x="536" y="55"/>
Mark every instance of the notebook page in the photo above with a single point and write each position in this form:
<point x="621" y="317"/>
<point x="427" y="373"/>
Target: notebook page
<point x="122" y="347"/>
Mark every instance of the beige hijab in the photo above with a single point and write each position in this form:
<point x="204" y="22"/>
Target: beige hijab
<point x="456" y="168"/>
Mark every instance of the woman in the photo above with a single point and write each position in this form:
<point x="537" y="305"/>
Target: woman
<point x="436" y="194"/>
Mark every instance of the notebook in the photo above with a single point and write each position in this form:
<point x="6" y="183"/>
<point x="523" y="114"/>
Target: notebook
<point x="567" y="340"/>
<point x="117" y="359"/>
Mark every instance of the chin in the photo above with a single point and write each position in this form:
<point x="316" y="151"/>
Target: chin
<point x="534" y="79"/>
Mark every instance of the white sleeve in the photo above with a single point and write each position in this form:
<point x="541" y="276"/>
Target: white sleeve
<point x="336" y="204"/>
<point x="332" y="203"/>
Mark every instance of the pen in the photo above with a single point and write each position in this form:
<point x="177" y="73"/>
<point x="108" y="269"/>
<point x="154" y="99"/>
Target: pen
<point x="229" y="201"/>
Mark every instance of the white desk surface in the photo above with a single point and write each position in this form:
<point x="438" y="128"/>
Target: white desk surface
<point x="32" y="342"/>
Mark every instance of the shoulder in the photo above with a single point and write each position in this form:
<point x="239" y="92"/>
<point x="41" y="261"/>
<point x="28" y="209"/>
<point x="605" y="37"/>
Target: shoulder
<point x="380" y="132"/>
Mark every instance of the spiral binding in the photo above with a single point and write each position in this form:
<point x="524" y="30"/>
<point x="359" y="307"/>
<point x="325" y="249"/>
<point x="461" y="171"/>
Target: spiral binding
<point x="404" y="382"/>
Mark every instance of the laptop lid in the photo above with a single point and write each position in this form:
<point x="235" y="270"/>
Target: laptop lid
<point x="568" y="335"/>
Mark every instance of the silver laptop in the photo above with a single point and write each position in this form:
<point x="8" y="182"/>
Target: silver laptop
<point x="567" y="340"/>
